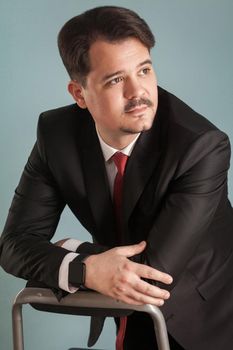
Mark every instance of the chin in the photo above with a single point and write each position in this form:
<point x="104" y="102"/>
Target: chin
<point x="139" y="124"/>
<point x="134" y="130"/>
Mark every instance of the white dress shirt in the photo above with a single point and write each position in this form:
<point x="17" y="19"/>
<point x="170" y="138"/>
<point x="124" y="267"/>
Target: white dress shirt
<point x="72" y="244"/>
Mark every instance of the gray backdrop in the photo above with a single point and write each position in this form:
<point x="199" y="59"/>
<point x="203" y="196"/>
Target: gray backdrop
<point x="193" y="59"/>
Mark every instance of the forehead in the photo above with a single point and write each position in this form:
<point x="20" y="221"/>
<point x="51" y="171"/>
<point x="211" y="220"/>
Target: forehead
<point x="108" y="56"/>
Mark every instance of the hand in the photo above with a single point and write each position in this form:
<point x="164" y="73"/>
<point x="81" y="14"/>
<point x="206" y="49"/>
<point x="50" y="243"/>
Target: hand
<point x="113" y="274"/>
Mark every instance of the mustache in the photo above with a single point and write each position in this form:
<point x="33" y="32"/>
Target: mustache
<point x="137" y="102"/>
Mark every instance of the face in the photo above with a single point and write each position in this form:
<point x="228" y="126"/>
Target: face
<point x="120" y="91"/>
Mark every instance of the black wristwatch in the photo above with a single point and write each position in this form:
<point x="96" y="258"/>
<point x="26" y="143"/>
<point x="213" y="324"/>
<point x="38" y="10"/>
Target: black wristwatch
<point x="77" y="272"/>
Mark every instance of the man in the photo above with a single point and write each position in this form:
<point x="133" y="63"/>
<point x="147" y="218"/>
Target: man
<point x="174" y="192"/>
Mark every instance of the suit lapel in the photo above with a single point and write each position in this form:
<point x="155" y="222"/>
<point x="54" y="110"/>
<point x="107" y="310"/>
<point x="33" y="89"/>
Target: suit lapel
<point x="97" y="186"/>
<point x="143" y="161"/>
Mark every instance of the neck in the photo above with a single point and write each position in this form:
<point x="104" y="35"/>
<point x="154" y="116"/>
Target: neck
<point x="118" y="142"/>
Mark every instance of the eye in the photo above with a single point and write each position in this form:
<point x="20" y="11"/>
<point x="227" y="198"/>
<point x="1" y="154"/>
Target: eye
<point x="115" y="81"/>
<point x="144" y="71"/>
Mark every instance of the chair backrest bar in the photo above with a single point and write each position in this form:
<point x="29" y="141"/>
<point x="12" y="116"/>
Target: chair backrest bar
<point x="84" y="299"/>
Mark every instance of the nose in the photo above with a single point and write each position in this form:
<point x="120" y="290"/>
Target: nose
<point x="133" y="89"/>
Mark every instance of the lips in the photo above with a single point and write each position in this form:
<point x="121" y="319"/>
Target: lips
<point x="137" y="109"/>
<point x="137" y="105"/>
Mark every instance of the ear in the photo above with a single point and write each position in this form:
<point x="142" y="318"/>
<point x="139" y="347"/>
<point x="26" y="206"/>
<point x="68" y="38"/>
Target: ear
<point x="75" y="89"/>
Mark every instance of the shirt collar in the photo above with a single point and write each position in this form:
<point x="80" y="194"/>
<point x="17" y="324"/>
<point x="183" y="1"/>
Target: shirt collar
<point x="109" y="151"/>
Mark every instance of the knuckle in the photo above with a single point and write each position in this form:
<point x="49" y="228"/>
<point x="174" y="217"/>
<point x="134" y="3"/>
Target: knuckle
<point x="138" y="285"/>
<point x="150" y="274"/>
<point x="127" y="265"/>
<point x="120" y="288"/>
<point x="140" y="298"/>
<point x="148" y="289"/>
<point x="125" y="279"/>
<point x="144" y="287"/>
<point x="114" y="294"/>
<point x="116" y="290"/>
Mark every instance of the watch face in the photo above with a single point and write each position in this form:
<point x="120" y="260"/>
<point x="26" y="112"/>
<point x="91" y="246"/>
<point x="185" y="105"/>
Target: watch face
<point x="77" y="272"/>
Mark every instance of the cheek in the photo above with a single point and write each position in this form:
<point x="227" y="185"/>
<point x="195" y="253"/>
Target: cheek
<point x="113" y="102"/>
<point x="95" y="104"/>
<point x="104" y="104"/>
<point x="154" y="94"/>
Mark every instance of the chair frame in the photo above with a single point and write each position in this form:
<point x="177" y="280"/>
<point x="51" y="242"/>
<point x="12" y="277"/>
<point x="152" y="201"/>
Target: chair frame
<point x="84" y="299"/>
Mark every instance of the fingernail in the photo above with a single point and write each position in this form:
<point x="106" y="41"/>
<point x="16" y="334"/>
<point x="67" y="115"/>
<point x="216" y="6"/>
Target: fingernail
<point x="170" y="279"/>
<point x="161" y="302"/>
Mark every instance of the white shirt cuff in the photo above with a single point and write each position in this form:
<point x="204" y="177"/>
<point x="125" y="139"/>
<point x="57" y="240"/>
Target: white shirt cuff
<point x="64" y="273"/>
<point x="71" y="244"/>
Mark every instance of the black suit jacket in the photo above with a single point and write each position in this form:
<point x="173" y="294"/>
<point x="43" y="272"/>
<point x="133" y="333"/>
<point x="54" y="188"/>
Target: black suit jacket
<point x="175" y="197"/>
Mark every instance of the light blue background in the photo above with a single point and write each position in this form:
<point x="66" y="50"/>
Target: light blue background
<point x="193" y="59"/>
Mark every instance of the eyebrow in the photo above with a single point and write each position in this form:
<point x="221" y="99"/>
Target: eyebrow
<point x="109" y="76"/>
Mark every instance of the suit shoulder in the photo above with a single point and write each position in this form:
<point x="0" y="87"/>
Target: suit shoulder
<point x="61" y="110"/>
<point x="182" y="125"/>
<point x="182" y="117"/>
<point x="61" y="114"/>
<point x="63" y="119"/>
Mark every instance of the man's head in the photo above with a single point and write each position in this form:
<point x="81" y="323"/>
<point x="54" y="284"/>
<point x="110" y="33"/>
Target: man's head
<point x="109" y="23"/>
<point x="107" y="54"/>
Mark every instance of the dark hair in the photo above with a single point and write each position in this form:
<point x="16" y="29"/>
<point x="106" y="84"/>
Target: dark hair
<point x="110" y="23"/>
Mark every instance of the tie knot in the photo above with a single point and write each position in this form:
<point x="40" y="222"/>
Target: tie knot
<point x="120" y="160"/>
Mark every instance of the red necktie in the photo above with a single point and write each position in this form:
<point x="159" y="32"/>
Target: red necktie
<point x="120" y="161"/>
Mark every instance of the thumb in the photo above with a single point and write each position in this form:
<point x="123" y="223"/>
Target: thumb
<point x="133" y="249"/>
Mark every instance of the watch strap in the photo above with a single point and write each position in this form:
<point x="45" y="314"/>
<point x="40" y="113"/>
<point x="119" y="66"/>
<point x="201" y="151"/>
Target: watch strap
<point x="77" y="271"/>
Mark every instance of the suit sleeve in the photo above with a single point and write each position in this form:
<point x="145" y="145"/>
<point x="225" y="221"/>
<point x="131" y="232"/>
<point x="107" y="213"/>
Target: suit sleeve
<point x="25" y="247"/>
<point x="189" y="206"/>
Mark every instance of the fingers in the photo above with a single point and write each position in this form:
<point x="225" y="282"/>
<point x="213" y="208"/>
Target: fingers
<point x="139" y="299"/>
<point x="150" y="290"/>
<point x="131" y="250"/>
<point x="144" y="271"/>
<point x="142" y="293"/>
<point x="148" y="272"/>
<point x="112" y="274"/>
<point x="133" y="290"/>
